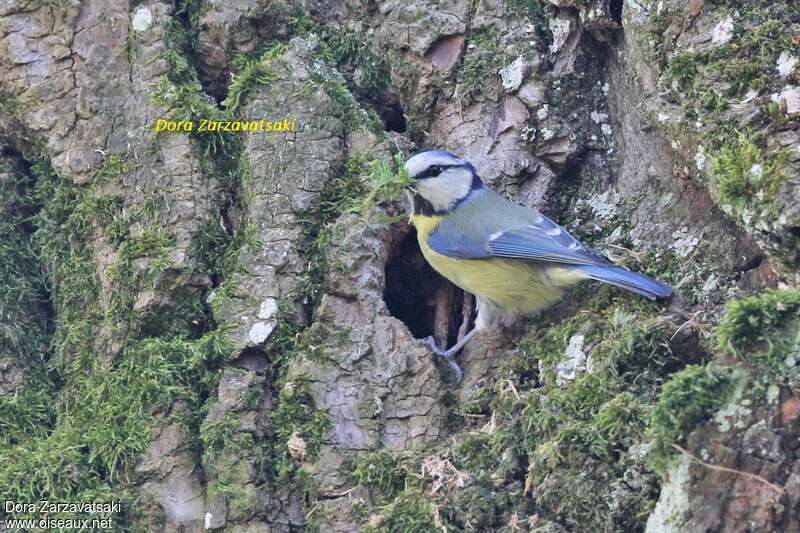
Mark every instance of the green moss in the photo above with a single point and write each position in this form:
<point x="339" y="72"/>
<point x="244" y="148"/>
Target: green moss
<point x="482" y="61"/>
<point x="219" y="252"/>
<point x="179" y="91"/>
<point x="410" y="512"/>
<point x="745" y="176"/>
<point x="763" y="329"/>
<point x="476" y="452"/>
<point x="577" y="440"/>
<point x="150" y="243"/>
<point x="706" y="82"/>
<point x="545" y="345"/>
<point x="104" y="422"/>
<point x="81" y="443"/>
<point x="187" y="13"/>
<point x="345" y="106"/>
<point x="689" y="398"/>
<point x="182" y="99"/>
<point x="631" y="344"/>
<point x="582" y="500"/>
<point x="294" y="414"/>
<point x="256" y="72"/>
<point x="478" y="404"/>
<point x="113" y="405"/>
<point x="300" y="22"/>
<point x="574" y="418"/>
<point x="382" y="473"/>
<point x="140" y="263"/>
<point x="63" y="224"/>
<point x="314" y="342"/>
<point x="682" y="70"/>
<point x="339" y="196"/>
<point x="8" y="104"/>
<point x="24" y="328"/>
<point x="663" y="265"/>
<point x="186" y="102"/>
<point x="30" y="413"/>
<point x="350" y="51"/>
<point x="114" y="165"/>
<point x="535" y="11"/>
<point x="242" y="503"/>
<point x="384" y="185"/>
<point x="655" y="30"/>
<point x="637" y="346"/>
<point x="746" y="62"/>
<point x="232" y="470"/>
<point x="481" y="507"/>
<point x="217" y="434"/>
<point x="56" y="469"/>
<point x="578" y="435"/>
<point x="619" y="422"/>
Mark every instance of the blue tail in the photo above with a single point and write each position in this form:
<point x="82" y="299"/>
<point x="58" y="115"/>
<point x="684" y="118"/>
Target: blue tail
<point x="633" y="281"/>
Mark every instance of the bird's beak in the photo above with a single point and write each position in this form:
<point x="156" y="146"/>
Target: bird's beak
<point x="410" y="193"/>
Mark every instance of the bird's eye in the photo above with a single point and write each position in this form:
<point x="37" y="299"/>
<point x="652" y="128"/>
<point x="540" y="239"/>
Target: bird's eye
<point x="434" y="171"/>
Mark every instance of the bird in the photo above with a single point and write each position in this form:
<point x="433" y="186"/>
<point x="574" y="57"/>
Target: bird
<point x="513" y="259"/>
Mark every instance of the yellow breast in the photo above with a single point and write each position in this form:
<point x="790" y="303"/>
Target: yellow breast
<point x="512" y="285"/>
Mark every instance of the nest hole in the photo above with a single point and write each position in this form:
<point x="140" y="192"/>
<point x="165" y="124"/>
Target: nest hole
<point x="427" y="303"/>
<point x="615" y="7"/>
<point x="391" y="112"/>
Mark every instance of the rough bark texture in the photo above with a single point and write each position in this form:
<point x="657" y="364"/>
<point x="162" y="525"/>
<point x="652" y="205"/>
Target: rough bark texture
<point x="198" y="324"/>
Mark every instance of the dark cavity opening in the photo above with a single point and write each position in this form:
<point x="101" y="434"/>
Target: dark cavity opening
<point x="427" y="303"/>
<point x="615" y="6"/>
<point x="392" y="115"/>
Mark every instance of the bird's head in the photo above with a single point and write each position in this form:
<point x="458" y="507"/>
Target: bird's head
<point x="441" y="181"/>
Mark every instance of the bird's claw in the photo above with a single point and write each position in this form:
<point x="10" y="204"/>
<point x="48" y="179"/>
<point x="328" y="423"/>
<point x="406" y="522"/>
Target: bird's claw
<point x="449" y="356"/>
<point x="434" y="346"/>
<point x="451" y="360"/>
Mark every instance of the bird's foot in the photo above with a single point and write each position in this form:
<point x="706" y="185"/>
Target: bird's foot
<point x="449" y="355"/>
<point x="434" y="346"/>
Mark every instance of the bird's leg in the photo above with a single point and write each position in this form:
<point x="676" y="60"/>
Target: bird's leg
<point x="466" y="314"/>
<point x="484" y="313"/>
<point x="450" y="353"/>
<point x="443" y="297"/>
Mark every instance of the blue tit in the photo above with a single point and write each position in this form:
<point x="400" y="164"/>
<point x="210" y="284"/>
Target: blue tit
<point x="513" y="259"/>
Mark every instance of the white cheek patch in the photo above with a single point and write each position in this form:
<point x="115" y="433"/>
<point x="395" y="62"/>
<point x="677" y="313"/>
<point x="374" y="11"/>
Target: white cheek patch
<point x="444" y="191"/>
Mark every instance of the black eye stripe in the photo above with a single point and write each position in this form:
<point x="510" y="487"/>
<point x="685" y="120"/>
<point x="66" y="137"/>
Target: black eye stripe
<point x="434" y="170"/>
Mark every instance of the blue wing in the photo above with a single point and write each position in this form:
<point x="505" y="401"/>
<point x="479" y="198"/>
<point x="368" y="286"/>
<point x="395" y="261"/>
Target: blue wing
<point x="490" y="226"/>
<point x="545" y="241"/>
<point x="633" y="281"/>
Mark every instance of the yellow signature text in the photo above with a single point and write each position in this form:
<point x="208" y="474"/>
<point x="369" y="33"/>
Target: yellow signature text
<point x="236" y="126"/>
